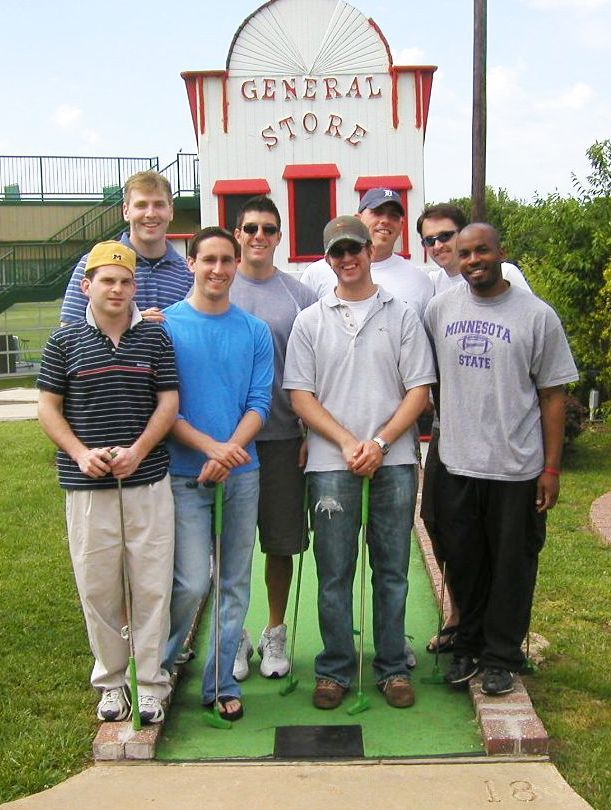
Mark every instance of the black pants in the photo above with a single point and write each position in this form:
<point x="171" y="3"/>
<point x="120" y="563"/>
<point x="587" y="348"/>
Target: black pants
<point x="491" y="535"/>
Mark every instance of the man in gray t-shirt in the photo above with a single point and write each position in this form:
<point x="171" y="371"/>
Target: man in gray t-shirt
<point x="503" y="361"/>
<point x="358" y="366"/>
<point x="277" y="298"/>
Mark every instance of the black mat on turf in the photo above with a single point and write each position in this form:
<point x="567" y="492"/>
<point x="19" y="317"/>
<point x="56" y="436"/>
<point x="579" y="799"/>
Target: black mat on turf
<point x="318" y="742"/>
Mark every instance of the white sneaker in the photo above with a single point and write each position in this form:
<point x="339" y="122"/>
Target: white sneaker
<point x="243" y="656"/>
<point x="151" y="710"/>
<point x="114" y="705"/>
<point x="272" y="649"/>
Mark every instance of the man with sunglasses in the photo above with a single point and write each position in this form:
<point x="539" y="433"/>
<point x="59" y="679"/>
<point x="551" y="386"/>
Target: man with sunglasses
<point x="277" y="298"/>
<point x="439" y="226"/>
<point x="382" y="212"/>
<point x="359" y="366"/>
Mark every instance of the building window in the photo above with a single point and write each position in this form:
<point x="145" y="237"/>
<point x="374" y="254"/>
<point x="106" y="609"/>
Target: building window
<point x="399" y="183"/>
<point x="232" y="194"/>
<point x="312" y="203"/>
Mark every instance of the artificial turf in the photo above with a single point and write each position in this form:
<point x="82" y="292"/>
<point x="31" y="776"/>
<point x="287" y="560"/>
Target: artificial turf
<point x="441" y="723"/>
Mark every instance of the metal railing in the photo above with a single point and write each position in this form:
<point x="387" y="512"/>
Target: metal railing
<point x="40" y="178"/>
<point x="38" y="271"/>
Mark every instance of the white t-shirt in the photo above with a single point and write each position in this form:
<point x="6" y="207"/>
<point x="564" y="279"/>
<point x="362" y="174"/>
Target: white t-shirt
<point x="442" y="281"/>
<point x="397" y="275"/>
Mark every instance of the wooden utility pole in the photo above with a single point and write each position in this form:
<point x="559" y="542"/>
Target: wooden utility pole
<point x="478" y="136"/>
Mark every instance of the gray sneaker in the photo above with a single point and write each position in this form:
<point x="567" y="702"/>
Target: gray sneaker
<point x="272" y="649"/>
<point x="114" y="705"/>
<point x="410" y="655"/>
<point x="245" y="652"/>
<point x="151" y="710"/>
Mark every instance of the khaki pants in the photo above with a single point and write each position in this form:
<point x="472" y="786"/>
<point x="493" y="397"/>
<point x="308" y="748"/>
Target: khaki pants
<point x="94" y="534"/>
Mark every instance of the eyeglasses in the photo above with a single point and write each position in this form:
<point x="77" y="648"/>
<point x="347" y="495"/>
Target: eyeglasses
<point x="337" y="251"/>
<point x="443" y="237"/>
<point x="268" y="229"/>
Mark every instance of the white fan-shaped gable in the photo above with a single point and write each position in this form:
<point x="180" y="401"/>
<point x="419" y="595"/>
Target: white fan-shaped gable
<point x="307" y="38"/>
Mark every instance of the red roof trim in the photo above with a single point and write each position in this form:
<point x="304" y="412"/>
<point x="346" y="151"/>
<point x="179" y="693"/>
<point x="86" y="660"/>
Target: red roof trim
<point x="299" y="171"/>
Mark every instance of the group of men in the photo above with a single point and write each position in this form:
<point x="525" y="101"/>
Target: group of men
<point x="259" y="381"/>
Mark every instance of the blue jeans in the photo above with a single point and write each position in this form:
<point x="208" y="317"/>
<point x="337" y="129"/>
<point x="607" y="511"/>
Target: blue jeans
<point x="336" y="499"/>
<point x="194" y="545"/>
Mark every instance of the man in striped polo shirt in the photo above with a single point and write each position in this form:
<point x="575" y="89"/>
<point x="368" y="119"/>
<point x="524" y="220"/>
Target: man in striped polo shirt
<point x="108" y="396"/>
<point x="162" y="275"/>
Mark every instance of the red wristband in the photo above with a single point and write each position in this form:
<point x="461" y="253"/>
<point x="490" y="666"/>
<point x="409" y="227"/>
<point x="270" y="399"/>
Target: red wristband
<point x="552" y="471"/>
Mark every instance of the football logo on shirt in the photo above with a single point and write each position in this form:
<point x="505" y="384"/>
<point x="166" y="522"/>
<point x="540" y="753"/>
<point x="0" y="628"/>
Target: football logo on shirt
<point x="475" y="344"/>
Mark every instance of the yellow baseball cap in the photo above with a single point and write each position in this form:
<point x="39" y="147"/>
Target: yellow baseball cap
<point x="105" y="253"/>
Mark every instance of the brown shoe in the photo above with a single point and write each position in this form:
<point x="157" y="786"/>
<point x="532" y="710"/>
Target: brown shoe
<point x="328" y="694"/>
<point x="398" y="691"/>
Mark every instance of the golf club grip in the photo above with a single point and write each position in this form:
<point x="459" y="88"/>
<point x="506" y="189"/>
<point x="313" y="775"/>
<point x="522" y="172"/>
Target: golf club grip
<point x="365" y="502"/>
<point x="219" y="495"/>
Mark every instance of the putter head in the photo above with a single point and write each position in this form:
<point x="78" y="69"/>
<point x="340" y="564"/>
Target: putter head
<point x="289" y="686"/>
<point x="361" y="705"/>
<point x="213" y="719"/>
<point x="436" y="678"/>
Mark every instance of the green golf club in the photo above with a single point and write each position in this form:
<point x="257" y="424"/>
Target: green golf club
<point x="213" y="717"/>
<point x="127" y="631"/>
<point x="292" y="681"/>
<point x="362" y="703"/>
<point x="436" y="677"/>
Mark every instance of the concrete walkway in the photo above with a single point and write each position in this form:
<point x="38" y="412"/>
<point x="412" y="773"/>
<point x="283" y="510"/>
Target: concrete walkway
<point x="370" y="786"/>
<point x="18" y="403"/>
<point x="447" y="785"/>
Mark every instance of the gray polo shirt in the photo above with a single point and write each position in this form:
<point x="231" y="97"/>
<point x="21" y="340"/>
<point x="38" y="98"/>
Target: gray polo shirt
<point x="359" y="374"/>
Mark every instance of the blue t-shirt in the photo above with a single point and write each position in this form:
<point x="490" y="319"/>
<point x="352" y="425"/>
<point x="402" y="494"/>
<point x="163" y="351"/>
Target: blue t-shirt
<point x="225" y="366"/>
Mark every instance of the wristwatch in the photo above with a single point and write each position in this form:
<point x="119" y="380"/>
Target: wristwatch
<point x="384" y="446"/>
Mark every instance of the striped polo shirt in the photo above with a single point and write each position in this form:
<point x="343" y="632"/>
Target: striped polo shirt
<point x="109" y="392"/>
<point x="159" y="283"/>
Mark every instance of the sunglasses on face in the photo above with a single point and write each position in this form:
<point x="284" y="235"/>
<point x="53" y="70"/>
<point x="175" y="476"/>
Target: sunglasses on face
<point x="337" y="251"/>
<point x="268" y="229"/>
<point x="443" y="237"/>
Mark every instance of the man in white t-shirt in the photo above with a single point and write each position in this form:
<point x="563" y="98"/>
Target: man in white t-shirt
<point x="439" y="226"/>
<point x="382" y="212"/>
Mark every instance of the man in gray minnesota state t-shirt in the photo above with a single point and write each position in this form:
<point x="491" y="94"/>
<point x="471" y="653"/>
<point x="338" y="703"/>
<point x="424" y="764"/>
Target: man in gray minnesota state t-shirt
<point x="503" y="360"/>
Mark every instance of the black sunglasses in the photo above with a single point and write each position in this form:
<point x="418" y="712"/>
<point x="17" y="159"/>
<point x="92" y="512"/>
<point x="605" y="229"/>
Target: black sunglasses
<point x="337" y="251"/>
<point x="268" y="229"/>
<point x="443" y="237"/>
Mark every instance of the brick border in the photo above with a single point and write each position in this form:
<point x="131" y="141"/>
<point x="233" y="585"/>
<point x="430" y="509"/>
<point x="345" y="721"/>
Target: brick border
<point x="508" y="724"/>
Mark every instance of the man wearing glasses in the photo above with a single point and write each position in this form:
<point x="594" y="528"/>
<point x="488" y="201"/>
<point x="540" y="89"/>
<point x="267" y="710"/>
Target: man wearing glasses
<point x="277" y="298"/>
<point x="439" y="226"/>
<point x="358" y="367"/>
<point x="381" y="210"/>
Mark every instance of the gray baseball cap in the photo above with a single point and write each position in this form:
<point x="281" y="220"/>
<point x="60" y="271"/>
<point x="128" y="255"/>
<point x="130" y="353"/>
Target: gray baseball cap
<point x="345" y="228"/>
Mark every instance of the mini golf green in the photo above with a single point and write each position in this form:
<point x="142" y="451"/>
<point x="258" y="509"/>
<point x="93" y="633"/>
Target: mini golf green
<point x="440" y="724"/>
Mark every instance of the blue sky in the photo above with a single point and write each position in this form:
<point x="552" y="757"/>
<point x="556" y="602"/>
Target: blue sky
<point x="81" y="78"/>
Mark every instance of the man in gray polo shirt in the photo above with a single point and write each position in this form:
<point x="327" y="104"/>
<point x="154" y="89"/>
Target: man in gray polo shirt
<point x="359" y="366"/>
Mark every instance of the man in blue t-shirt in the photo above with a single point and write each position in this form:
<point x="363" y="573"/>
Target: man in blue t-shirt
<point x="225" y="363"/>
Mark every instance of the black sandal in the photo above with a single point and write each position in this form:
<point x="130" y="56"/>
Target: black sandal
<point x="444" y="642"/>
<point x="223" y="701"/>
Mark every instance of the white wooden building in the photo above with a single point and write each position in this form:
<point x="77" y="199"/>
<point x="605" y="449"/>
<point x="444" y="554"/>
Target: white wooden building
<point x="311" y="110"/>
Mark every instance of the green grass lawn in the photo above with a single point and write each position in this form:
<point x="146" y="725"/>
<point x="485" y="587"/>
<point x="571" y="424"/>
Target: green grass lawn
<point x="47" y="707"/>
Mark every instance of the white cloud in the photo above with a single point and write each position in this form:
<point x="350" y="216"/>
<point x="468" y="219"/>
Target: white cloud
<point x="408" y="56"/>
<point x="91" y="137"/>
<point x="66" y="116"/>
